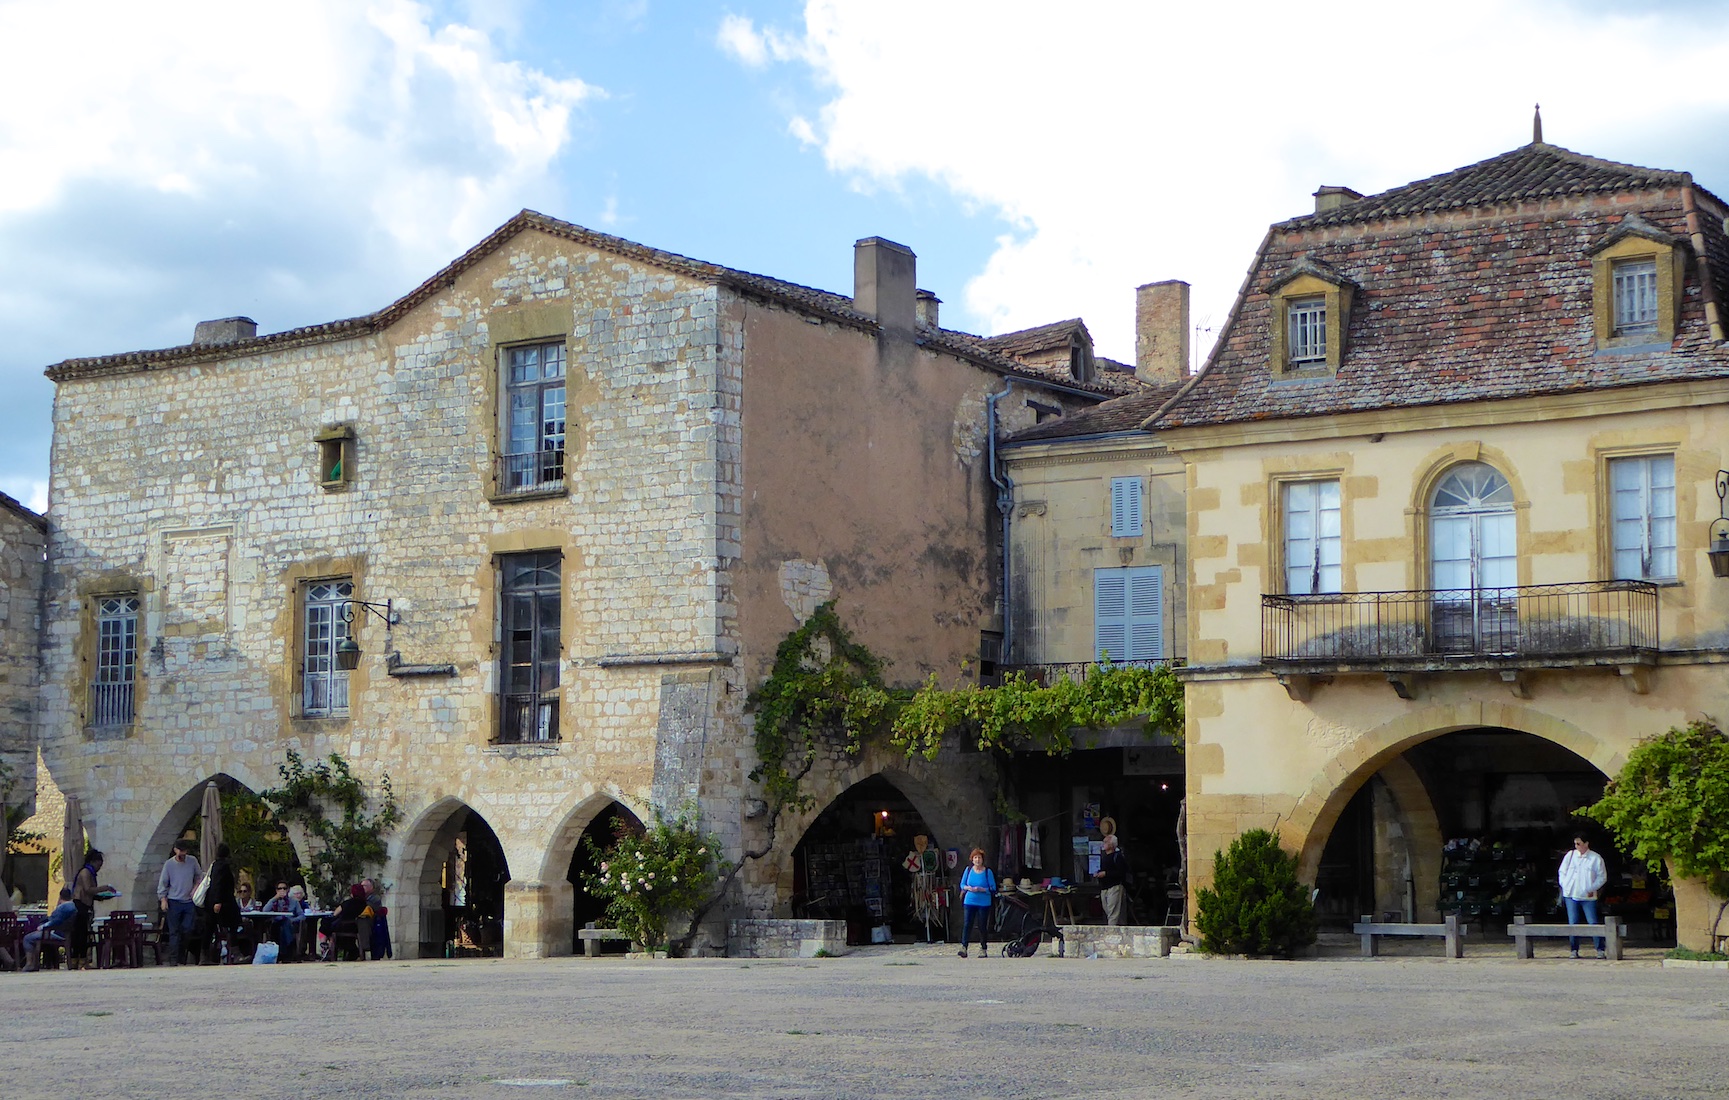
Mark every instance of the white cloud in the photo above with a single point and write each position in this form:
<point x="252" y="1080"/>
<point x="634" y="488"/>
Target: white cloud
<point x="159" y="164"/>
<point x="29" y="491"/>
<point x="1129" y="141"/>
<point x="739" y="38"/>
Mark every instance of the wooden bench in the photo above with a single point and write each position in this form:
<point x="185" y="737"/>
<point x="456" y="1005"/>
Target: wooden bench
<point x="1612" y="931"/>
<point x="1450" y="930"/>
<point x="591" y="937"/>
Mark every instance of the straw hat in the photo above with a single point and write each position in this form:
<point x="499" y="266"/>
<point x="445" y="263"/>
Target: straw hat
<point x="1107" y="826"/>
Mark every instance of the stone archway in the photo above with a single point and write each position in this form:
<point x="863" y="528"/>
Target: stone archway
<point x="542" y="913"/>
<point x="147" y="861"/>
<point x="420" y="921"/>
<point x="1331" y="789"/>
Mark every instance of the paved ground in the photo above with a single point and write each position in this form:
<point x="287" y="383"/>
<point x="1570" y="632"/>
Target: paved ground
<point x="880" y="1024"/>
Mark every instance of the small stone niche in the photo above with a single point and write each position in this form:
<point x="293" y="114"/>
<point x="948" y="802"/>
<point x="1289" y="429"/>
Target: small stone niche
<point x="335" y="457"/>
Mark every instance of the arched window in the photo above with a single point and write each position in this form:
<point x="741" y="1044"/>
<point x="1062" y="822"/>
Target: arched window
<point x="1474" y="561"/>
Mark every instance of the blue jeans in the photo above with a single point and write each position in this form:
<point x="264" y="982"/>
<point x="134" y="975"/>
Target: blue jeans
<point x="182" y="926"/>
<point x="979" y="915"/>
<point x="1587" y="906"/>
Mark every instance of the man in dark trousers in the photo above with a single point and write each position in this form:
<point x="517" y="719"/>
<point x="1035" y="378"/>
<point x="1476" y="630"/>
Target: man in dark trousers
<point x="174" y="888"/>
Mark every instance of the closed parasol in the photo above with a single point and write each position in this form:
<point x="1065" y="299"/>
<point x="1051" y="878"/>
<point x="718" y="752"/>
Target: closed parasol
<point x="72" y="841"/>
<point x="210" y="825"/>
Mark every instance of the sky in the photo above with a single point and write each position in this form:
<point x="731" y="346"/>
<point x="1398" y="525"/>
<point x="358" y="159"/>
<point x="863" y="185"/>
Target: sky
<point x="302" y="162"/>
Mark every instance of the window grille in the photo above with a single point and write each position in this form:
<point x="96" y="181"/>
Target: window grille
<point x="534" y="431"/>
<point x="323" y="686"/>
<point x="1308" y="329"/>
<point x="1635" y="292"/>
<point x="112" y="690"/>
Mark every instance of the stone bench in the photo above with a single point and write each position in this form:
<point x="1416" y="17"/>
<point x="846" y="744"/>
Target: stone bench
<point x="1132" y="941"/>
<point x="1613" y="931"/>
<point x="1450" y="930"/>
<point x="786" y="938"/>
<point x="591" y="937"/>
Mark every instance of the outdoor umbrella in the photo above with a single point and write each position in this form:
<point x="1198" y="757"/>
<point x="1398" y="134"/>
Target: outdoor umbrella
<point x="72" y="841"/>
<point x="210" y="825"/>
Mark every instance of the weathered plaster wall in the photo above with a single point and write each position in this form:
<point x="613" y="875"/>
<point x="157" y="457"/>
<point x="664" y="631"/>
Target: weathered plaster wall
<point x="23" y="538"/>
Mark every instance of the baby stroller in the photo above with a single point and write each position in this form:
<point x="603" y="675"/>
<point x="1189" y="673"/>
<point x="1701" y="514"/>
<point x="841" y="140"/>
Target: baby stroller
<point x="1021" y="929"/>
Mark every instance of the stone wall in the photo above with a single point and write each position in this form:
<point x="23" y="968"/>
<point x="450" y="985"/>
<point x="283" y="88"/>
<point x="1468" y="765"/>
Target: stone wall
<point x="1105" y="941"/>
<point x="786" y="939"/>
<point x="23" y="538"/>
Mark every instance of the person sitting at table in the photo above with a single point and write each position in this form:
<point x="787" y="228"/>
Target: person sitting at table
<point x="347" y="919"/>
<point x="51" y="931"/>
<point x="243" y="895"/>
<point x="288" y="927"/>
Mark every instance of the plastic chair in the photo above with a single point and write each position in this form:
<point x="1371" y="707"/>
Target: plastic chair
<point x="121" y="942"/>
<point x="12" y="928"/>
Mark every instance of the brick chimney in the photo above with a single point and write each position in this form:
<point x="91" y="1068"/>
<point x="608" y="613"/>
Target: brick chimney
<point x="885" y="276"/>
<point x="1162" y="332"/>
<point x="228" y="330"/>
<point x="1331" y="198"/>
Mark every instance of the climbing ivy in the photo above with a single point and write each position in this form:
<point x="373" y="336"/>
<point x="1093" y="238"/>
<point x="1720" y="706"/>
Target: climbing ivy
<point x="343" y="850"/>
<point x="1024" y="714"/>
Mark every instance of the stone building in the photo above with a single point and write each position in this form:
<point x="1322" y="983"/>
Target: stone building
<point x="23" y="538"/>
<point x="1451" y="473"/>
<point x="584" y="488"/>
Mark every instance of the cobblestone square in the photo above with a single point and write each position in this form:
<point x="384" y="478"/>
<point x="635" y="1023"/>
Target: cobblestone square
<point x="881" y="1023"/>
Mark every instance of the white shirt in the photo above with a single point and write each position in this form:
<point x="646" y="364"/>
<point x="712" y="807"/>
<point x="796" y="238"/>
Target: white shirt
<point x="1582" y="874"/>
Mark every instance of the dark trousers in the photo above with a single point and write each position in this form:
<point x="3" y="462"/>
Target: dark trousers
<point x="79" y="947"/>
<point x="979" y="918"/>
<point x="181" y="924"/>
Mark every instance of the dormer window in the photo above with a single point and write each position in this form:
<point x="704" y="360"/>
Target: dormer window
<point x="1311" y="303"/>
<point x="1080" y="361"/>
<point x="1637" y="275"/>
<point x="1307" y="324"/>
<point x="1635" y="292"/>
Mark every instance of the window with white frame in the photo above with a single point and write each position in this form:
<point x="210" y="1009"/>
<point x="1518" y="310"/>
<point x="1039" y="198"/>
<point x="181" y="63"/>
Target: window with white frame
<point x="323" y="686"/>
<point x="1642" y="507"/>
<point x="112" y="690"/>
<point x="1313" y="544"/>
<point x="1306" y="319"/>
<point x="534" y="419"/>
<point x="1129" y="614"/>
<point x="1125" y="507"/>
<point x="1635" y="296"/>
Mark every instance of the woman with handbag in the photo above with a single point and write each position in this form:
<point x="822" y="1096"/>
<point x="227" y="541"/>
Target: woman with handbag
<point x="219" y="907"/>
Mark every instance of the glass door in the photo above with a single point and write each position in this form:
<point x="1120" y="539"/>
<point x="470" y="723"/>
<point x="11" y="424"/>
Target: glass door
<point x="1474" y="562"/>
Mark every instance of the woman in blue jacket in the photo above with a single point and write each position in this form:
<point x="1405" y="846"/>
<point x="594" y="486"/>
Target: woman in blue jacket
<point x="978" y="891"/>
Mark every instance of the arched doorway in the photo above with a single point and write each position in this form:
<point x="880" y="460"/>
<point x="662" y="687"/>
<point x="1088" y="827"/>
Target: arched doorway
<point x="462" y="879"/>
<point x="1472" y="822"/>
<point x="853" y="864"/>
<point x="261" y="848"/>
<point x="1474" y="561"/>
<point x="602" y="832"/>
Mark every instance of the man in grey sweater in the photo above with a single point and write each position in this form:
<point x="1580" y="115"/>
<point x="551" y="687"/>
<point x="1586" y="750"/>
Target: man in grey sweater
<point x="180" y="875"/>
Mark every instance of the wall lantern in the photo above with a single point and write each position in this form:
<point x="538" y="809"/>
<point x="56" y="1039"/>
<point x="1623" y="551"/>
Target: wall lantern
<point x="348" y="650"/>
<point x="1719" y="552"/>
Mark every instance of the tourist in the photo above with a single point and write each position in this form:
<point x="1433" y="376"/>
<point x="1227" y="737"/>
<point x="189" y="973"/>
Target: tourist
<point x="174" y="887"/>
<point x="286" y="928"/>
<point x="84" y="891"/>
<point x="220" y="908"/>
<point x="1582" y="876"/>
<point x="1112" y="874"/>
<point x="978" y="892"/>
<point x="243" y="896"/>
<point x="347" y="916"/>
<point x="380" y="920"/>
<point x="50" y="931"/>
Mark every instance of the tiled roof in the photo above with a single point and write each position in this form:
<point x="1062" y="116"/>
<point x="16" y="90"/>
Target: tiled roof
<point x="1123" y="414"/>
<point x="835" y="307"/>
<point x="1533" y="171"/>
<point x="1452" y="308"/>
<point x="29" y="515"/>
<point x="1027" y="341"/>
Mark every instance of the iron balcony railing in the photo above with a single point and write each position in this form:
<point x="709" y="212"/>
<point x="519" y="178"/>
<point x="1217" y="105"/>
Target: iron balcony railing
<point x="1077" y="671"/>
<point x="531" y="472"/>
<point x="529" y="718"/>
<point x="1579" y="620"/>
<point x="110" y="705"/>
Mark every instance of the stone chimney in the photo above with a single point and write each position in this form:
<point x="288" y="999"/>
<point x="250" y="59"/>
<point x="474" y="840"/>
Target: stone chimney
<point x="885" y="276"/>
<point x="1162" y="332"/>
<point x="927" y="308"/>
<point x="228" y="330"/>
<point x="1331" y="198"/>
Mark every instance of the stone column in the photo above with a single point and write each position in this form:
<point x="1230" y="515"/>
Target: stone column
<point x="537" y="919"/>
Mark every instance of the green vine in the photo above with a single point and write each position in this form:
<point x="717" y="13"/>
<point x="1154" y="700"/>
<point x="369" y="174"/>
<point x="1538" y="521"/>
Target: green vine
<point x="343" y="850"/>
<point x="1024" y="714"/>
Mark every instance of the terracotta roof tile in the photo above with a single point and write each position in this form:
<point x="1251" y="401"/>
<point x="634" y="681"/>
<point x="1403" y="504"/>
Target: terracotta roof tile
<point x="1058" y="335"/>
<point x="29" y="515"/>
<point x="1454" y="307"/>
<point x="1123" y="414"/>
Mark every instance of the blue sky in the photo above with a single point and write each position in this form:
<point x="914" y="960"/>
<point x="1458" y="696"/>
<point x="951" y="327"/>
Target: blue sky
<point x="303" y="162"/>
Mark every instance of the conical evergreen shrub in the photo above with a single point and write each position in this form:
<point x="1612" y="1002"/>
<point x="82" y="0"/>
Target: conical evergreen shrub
<point x="1256" y="905"/>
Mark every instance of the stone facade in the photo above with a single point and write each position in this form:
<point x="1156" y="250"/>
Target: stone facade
<point x="1085" y="941"/>
<point x="735" y="449"/>
<point x="786" y="939"/>
<point x="23" y="542"/>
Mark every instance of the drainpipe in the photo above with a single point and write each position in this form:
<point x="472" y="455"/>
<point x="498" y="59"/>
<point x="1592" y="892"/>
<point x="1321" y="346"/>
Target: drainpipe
<point x="1006" y="506"/>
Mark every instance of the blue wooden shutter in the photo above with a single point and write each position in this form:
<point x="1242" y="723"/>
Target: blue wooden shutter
<point x="1110" y="614"/>
<point x="1146" y="613"/>
<point x="1125" y="507"/>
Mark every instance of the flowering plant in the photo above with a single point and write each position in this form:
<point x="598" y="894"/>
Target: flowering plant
<point x="647" y="875"/>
